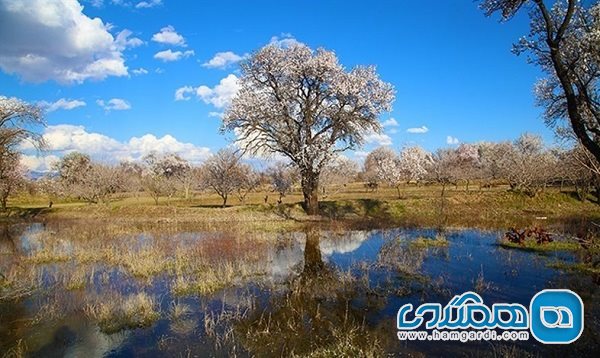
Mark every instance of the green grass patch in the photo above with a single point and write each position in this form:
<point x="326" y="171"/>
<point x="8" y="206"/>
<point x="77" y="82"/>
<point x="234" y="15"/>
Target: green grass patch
<point x="580" y="267"/>
<point x="532" y="246"/>
<point x="427" y="242"/>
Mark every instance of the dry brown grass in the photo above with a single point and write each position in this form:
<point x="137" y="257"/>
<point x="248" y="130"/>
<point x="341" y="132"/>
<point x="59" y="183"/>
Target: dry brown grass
<point x="117" y="313"/>
<point x="418" y="206"/>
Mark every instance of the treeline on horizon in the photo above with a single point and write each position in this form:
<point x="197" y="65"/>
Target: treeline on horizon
<point x="526" y="165"/>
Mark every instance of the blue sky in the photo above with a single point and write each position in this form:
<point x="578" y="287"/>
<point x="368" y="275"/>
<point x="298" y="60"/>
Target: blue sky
<point x="452" y="68"/>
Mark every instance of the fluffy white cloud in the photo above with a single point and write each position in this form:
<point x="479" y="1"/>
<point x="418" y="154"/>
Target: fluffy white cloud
<point x="114" y="104"/>
<point x="138" y="147"/>
<point x="379" y="139"/>
<point x="391" y="122"/>
<point x="44" y="40"/>
<point x="451" y="140"/>
<point x="284" y="40"/>
<point x="123" y="40"/>
<point x="65" y="138"/>
<point x="181" y="94"/>
<point x="39" y="163"/>
<point x="148" y="4"/>
<point x="418" y="130"/>
<point x="140" y="71"/>
<point x="62" y="103"/>
<point x="223" y="59"/>
<point x="219" y="96"/>
<point x="169" y="36"/>
<point x="169" y="56"/>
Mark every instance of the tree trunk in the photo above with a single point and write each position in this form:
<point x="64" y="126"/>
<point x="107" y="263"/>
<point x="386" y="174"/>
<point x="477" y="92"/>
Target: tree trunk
<point x="310" y="190"/>
<point x="573" y="105"/>
<point x="313" y="261"/>
<point x="224" y="201"/>
<point x="398" y="190"/>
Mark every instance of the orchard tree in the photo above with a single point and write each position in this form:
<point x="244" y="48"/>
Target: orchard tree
<point x="528" y="165"/>
<point x="443" y="168"/>
<point x="225" y="173"/>
<point x="17" y="120"/>
<point x="306" y="106"/>
<point x="338" y="172"/>
<point x="582" y="169"/>
<point x="467" y="163"/>
<point x="564" y="41"/>
<point x="492" y="158"/>
<point x="249" y="180"/>
<point x="383" y="165"/>
<point x="282" y="177"/>
<point x="162" y="174"/>
<point x="414" y="162"/>
<point x="85" y="180"/>
<point x="11" y="175"/>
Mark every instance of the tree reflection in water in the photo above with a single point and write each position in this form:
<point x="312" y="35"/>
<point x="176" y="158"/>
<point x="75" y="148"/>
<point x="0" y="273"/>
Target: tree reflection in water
<point x="314" y="315"/>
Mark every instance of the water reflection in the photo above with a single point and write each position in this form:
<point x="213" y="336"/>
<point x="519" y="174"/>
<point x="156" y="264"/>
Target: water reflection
<point x="170" y="292"/>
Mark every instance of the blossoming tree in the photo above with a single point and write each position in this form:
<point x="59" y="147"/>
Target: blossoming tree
<point x="306" y="106"/>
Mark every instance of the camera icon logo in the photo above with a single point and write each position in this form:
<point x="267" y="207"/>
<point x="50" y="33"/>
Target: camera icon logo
<point x="556" y="316"/>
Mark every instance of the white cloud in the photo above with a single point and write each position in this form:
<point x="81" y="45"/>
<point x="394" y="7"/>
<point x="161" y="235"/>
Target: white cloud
<point x="223" y="59"/>
<point x="62" y="103"/>
<point x="140" y="71"/>
<point x="114" y="104"/>
<point x="215" y="114"/>
<point x="38" y="163"/>
<point x="418" y="130"/>
<point x="169" y="36"/>
<point x="138" y="147"/>
<point x="219" y="96"/>
<point x="123" y="41"/>
<point x="380" y="139"/>
<point x="148" y="4"/>
<point x="451" y="140"/>
<point x="391" y="122"/>
<point x="284" y="40"/>
<point x="181" y="94"/>
<point x="43" y="40"/>
<point x="169" y="56"/>
<point x="65" y="138"/>
<point x="96" y="3"/>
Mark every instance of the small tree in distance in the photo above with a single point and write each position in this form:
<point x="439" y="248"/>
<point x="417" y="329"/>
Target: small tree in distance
<point x="282" y="178"/>
<point x="225" y="173"/>
<point x="383" y="165"/>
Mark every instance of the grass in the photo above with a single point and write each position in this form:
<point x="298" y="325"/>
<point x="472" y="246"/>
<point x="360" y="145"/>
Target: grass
<point x="532" y="246"/>
<point x="135" y="311"/>
<point x="581" y="267"/>
<point x="426" y="242"/>
<point x="419" y="206"/>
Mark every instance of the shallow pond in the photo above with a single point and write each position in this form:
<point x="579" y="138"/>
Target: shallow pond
<point x="99" y="290"/>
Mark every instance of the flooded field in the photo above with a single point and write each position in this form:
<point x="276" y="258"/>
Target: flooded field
<point x="103" y="290"/>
